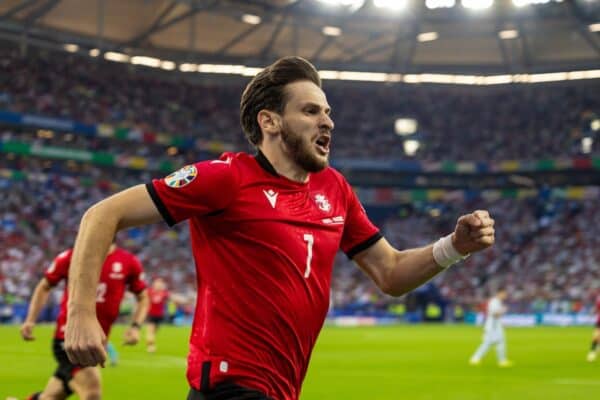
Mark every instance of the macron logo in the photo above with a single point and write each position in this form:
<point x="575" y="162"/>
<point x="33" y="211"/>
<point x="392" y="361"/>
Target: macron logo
<point x="271" y="196"/>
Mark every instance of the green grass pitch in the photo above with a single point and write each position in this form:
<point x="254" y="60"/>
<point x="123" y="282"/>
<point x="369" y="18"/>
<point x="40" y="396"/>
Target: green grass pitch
<point x="395" y="362"/>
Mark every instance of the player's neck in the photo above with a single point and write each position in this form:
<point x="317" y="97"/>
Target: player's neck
<point x="284" y="165"/>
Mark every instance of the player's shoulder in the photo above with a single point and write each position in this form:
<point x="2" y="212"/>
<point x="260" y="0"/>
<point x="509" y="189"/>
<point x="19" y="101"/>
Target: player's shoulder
<point x="230" y="158"/>
<point x="227" y="163"/>
<point x="64" y="255"/>
<point x="330" y="177"/>
<point x="121" y="254"/>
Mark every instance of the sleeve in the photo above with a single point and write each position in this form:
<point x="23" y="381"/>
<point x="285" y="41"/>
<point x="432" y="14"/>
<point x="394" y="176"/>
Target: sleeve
<point x="59" y="268"/>
<point x="135" y="281"/>
<point x="359" y="232"/>
<point x="194" y="190"/>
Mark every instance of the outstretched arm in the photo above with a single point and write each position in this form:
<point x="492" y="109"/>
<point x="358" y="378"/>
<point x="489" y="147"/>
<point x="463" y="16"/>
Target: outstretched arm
<point x="132" y="334"/>
<point x="84" y="338"/>
<point x="178" y="299"/>
<point x="397" y="272"/>
<point x="37" y="302"/>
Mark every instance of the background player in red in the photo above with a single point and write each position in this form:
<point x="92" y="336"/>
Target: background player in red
<point x="159" y="297"/>
<point x="264" y="233"/>
<point x="121" y="270"/>
<point x="596" y="334"/>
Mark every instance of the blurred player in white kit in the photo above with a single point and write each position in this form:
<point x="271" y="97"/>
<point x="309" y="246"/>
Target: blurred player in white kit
<point x="493" y="331"/>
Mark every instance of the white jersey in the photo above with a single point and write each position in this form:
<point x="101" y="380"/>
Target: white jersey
<point x="495" y="309"/>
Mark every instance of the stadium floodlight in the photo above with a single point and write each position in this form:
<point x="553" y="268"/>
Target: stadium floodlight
<point x="427" y="36"/>
<point x="395" y="5"/>
<point x="332" y="31"/>
<point x="146" y="61"/>
<point x="508" y="34"/>
<point x="497" y="79"/>
<point x="405" y="126"/>
<point x="221" y="68"/>
<point x="362" y="76"/>
<point x="586" y="145"/>
<point x="523" y="3"/>
<point x="94" y="52"/>
<point x="71" y="48"/>
<point x="548" y="77"/>
<point x="411" y="146"/>
<point x="168" y="65"/>
<point x="251" y="71"/>
<point x="188" y="67"/>
<point x="116" y="57"/>
<point x="352" y="4"/>
<point x="433" y="4"/>
<point x="594" y="27"/>
<point x="251" y="19"/>
<point x="327" y="74"/>
<point x="595" y="125"/>
<point x="477" y="4"/>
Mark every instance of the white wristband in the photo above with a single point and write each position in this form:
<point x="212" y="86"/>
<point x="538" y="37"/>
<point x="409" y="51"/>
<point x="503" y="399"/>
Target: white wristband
<point x="445" y="254"/>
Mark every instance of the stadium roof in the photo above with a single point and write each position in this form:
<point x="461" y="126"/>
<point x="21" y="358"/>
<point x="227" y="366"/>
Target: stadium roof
<point x="557" y="36"/>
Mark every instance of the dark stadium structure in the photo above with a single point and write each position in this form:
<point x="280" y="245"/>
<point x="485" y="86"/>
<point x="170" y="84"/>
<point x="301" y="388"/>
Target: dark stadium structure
<point x="551" y="36"/>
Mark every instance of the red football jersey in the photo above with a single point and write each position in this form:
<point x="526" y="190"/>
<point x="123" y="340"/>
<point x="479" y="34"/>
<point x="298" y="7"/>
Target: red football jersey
<point x="158" y="302"/>
<point x="121" y="269"/>
<point x="264" y="248"/>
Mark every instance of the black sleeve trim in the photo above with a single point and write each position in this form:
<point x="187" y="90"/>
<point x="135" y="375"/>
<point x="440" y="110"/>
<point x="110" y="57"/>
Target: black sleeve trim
<point x="364" y="245"/>
<point x="160" y="206"/>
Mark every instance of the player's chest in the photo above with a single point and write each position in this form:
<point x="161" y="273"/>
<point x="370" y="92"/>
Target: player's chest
<point x="114" y="273"/>
<point x="157" y="297"/>
<point x="270" y="202"/>
<point x="293" y="220"/>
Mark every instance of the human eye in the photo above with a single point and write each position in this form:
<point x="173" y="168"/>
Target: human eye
<point x="311" y="110"/>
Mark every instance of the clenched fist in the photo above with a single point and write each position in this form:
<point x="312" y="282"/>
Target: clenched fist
<point x="85" y="340"/>
<point x="473" y="232"/>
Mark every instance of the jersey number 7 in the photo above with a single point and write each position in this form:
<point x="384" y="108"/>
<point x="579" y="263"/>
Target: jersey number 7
<point x="310" y="241"/>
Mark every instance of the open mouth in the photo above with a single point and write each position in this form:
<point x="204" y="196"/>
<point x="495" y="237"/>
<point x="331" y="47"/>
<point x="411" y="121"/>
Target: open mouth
<point x="323" y="144"/>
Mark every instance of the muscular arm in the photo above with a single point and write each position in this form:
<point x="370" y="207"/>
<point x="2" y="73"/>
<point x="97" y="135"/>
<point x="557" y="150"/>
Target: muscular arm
<point x="397" y="272"/>
<point x="178" y="299"/>
<point x="141" y="309"/>
<point x="99" y="225"/>
<point x="132" y="334"/>
<point x="37" y="302"/>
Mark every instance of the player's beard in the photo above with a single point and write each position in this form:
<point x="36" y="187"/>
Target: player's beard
<point x="302" y="151"/>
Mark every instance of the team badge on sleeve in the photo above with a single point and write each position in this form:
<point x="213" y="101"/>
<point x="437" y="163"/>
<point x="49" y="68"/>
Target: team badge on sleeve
<point x="182" y="177"/>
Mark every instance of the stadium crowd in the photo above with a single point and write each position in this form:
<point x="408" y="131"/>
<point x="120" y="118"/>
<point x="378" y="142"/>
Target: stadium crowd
<point x="455" y="123"/>
<point x="547" y="252"/>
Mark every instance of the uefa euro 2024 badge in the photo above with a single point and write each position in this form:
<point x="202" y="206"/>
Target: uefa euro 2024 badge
<point x="182" y="177"/>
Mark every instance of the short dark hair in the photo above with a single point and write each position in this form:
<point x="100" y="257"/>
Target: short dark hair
<point x="266" y="91"/>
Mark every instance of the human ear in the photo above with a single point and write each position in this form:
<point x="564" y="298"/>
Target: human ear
<point x="269" y="122"/>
